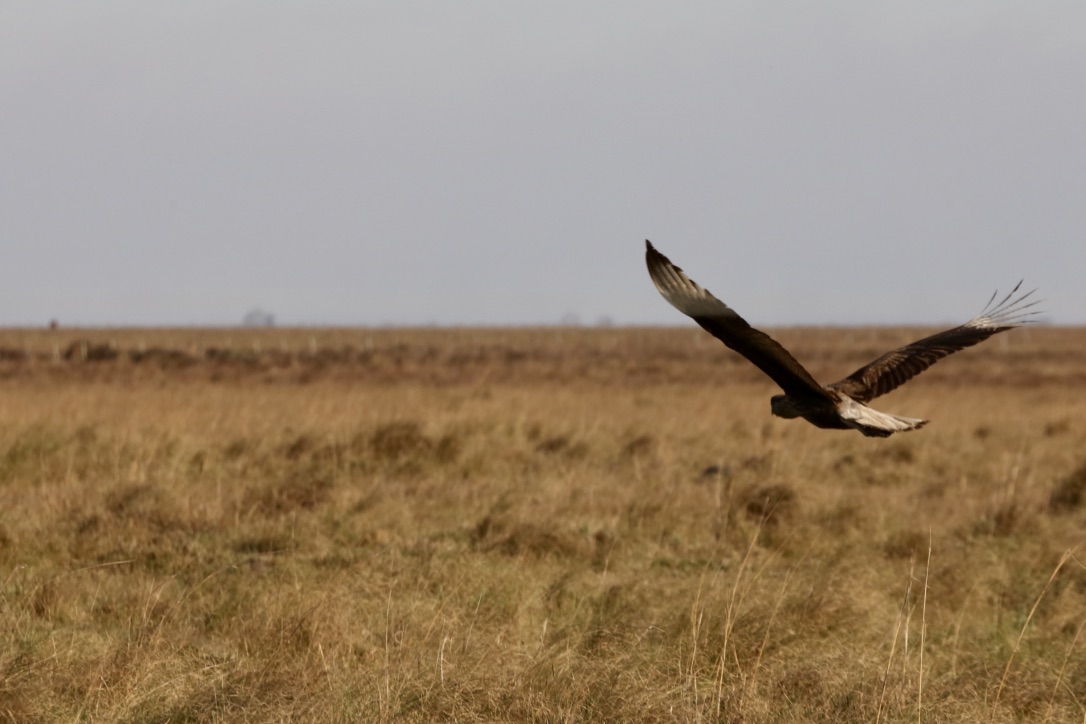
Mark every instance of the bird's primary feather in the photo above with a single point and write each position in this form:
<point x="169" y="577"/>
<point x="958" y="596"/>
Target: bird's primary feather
<point x="725" y="324"/>
<point x="898" y="366"/>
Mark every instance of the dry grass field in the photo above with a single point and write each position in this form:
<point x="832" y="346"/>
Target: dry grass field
<point x="541" y="525"/>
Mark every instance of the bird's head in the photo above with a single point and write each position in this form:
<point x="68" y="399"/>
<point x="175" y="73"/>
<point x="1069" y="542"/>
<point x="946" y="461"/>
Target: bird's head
<point x="782" y="406"/>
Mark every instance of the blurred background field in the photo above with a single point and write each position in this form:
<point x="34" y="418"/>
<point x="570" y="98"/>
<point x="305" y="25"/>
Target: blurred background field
<point x="532" y="524"/>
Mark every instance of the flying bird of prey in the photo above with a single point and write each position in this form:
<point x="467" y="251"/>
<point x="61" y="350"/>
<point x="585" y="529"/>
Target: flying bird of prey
<point x="843" y="404"/>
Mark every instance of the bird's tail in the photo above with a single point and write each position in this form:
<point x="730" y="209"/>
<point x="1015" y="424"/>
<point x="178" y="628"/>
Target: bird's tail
<point x="873" y="423"/>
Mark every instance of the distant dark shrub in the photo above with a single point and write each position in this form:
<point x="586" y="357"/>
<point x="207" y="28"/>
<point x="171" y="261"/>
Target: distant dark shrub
<point x="166" y="358"/>
<point x="84" y="351"/>
<point x="241" y="357"/>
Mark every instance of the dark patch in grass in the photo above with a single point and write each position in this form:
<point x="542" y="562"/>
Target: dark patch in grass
<point x="609" y="609"/>
<point x="640" y="446"/>
<point x="365" y="503"/>
<point x="236" y="448"/>
<point x="298" y="447"/>
<point x="1057" y="427"/>
<point x="1069" y="492"/>
<point x="405" y="447"/>
<point x="263" y="544"/>
<point x="8" y="354"/>
<point x="125" y="500"/>
<point x="903" y="544"/>
<point x="714" y="472"/>
<point x="769" y="503"/>
<point x="88" y="524"/>
<point x="334" y="562"/>
<point x="805" y="683"/>
<point x="520" y="538"/>
<point x="684" y="565"/>
<point x="554" y="444"/>
<point x="842" y="519"/>
<point x="44" y="600"/>
<point x="303" y="492"/>
<point x="198" y="462"/>
<point x="562" y="445"/>
<point x="447" y="449"/>
<point x="604" y="545"/>
<point x="398" y="440"/>
<point x="145" y="506"/>
<point x="33" y="446"/>
<point x="1002" y="522"/>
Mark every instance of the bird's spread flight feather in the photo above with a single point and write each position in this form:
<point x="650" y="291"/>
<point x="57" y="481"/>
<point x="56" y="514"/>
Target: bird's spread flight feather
<point x="722" y="322"/>
<point x="900" y="365"/>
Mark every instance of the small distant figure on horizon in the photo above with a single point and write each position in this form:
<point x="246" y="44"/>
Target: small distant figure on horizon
<point x="258" y="318"/>
<point x="54" y="325"/>
<point x="841" y="405"/>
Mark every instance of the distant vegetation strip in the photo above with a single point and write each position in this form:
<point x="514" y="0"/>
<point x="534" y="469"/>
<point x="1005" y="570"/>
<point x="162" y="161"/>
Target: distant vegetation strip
<point x="444" y="356"/>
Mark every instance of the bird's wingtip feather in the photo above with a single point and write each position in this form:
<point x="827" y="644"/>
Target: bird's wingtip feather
<point x="1010" y="311"/>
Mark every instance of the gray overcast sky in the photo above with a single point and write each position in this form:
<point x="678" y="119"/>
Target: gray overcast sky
<point x="502" y="163"/>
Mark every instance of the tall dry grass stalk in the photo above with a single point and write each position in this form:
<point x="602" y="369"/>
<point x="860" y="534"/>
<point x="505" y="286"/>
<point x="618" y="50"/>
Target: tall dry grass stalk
<point x="899" y="625"/>
<point x="1067" y="555"/>
<point x="923" y="634"/>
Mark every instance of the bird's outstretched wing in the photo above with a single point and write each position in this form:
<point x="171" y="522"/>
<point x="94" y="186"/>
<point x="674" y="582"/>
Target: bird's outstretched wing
<point x="899" y="366"/>
<point x="722" y="322"/>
